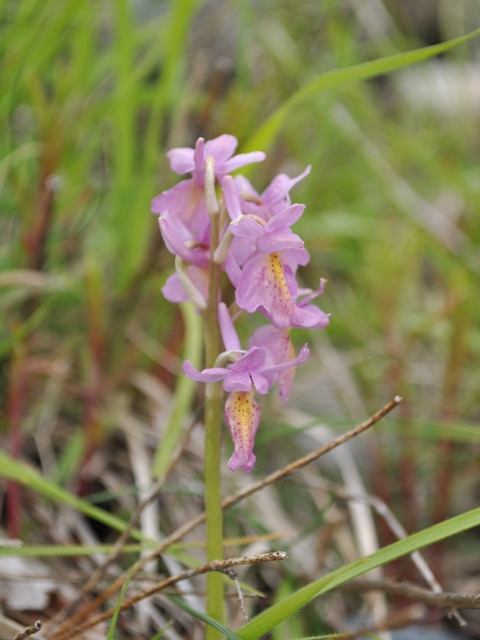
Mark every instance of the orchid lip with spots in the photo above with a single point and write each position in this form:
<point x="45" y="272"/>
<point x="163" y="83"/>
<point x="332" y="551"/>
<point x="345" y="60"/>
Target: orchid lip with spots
<point x="247" y="236"/>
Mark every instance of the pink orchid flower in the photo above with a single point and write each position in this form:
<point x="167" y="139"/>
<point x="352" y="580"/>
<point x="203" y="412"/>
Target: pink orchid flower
<point x="249" y="373"/>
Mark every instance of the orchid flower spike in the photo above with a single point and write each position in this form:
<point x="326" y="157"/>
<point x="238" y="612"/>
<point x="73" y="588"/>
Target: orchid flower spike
<point x="249" y="237"/>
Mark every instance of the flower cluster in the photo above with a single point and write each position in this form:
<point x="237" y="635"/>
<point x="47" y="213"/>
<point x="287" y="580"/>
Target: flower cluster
<point x="260" y="254"/>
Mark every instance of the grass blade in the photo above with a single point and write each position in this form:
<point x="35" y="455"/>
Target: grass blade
<point x="281" y="611"/>
<point x="17" y="471"/>
<point x="113" y="622"/>
<point x="163" y="631"/>
<point x="202" y="616"/>
<point x="265" y="134"/>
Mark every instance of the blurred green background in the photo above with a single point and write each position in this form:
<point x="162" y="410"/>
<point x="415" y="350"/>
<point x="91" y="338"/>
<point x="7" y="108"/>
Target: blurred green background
<point x="93" y="95"/>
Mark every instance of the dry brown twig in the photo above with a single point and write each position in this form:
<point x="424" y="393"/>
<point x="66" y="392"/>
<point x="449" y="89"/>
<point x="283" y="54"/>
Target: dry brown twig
<point x="62" y="632"/>
<point x="444" y="600"/>
<point x="29" y="631"/>
<point x="222" y="566"/>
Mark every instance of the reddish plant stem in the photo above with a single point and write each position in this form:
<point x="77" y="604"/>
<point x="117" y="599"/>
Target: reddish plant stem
<point x="37" y="233"/>
<point x="16" y="398"/>
<point x="446" y="450"/>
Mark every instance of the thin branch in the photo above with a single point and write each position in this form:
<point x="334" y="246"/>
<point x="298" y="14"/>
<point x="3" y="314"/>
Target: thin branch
<point x="227" y="502"/>
<point x="233" y="576"/>
<point x="222" y="566"/>
<point x="29" y="631"/>
<point x="400" y="619"/>
<point x="318" y="453"/>
<point x="442" y="600"/>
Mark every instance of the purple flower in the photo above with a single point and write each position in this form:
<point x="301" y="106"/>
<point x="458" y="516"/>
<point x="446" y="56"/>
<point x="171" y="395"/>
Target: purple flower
<point x="242" y="415"/>
<point x="273" y="200"/>
<point x="260" y="255"/>
<point x="277" y="343"/>
<point x="238" y="376"/>
<point x="174" y="291"/>
<point x="268" y="276"/>
<point x="308" y="315"/>
<point x="304" y="314"/>
<point x="186" y="200"/>
<point x="187" y="160"/>
<point x="241" y="378"/>
<point x="181" y="242"/>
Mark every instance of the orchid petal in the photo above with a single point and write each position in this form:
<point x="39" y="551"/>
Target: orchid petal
<point x="237" y="381"/>
<point x="260" y="383"/>
<point x="242" y="416"/>
<point x="243" y="159"/>
<point x="173" y="290"/>
<point x="244" y="187"/>
<point x="241" y="250"/>
<point x="253" y="359"/>
<point x="174" y="199"/>
<point x="281" y="185"/>
<point x="207" y="375"/>
<point x="279" y="348"/>
<point x="232" y="200"/>
<point x="279" y="240"/>
<point x="227" y="329"/>
<point x="187" y="201"/>
<point x="302" y="356"/>
<point x="245" y="227"/>
<point x="310" y="317"/>
<point x="181" y="160"/>
<point x="221" y="149"/>
<point x="198" y="256"/>
<point x="307" y="295"/>
<point x="263" y="284"/>
<point x="275" y="341"/>
<point x="233" y="270"/>
<point x="295" y="257"/>
<point x="285" y="218"/>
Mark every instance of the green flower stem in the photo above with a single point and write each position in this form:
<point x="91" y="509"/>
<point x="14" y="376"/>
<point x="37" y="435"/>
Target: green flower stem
<point x="213" y="433"/>
<point x="213" y="498"/>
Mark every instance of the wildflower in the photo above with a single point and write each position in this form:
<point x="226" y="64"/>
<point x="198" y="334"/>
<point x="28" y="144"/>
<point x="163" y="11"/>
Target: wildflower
<point x="186" y="200"/>
<point x="248" y="373"/>
<point x="190" y="283"/>
<point x="268" y="275"/>
<point x="279" y="348"/>
<point x="304" y="314"/>
<point x="260" y="254"/>
<point x="273" y="200"/>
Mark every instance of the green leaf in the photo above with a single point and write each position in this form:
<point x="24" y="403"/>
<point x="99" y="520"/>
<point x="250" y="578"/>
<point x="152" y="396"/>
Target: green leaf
<point x="265" y="134"/>
<point x="70" y="457"/>
<point x="163" y="631"/>
<point x="53" y="551"/>
<point x="202" y="616"/>
<point x="18" y="471"/>
<point x="281" y="611"/>
<point x="113" y="622"/>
